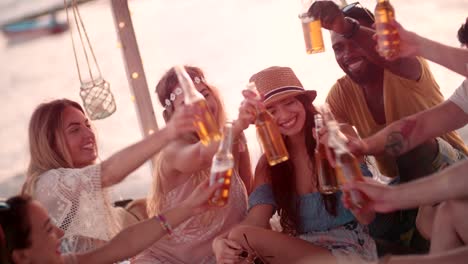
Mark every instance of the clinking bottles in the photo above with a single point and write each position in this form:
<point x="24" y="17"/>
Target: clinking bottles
<point x="347" y="166"/>
<point x="207" y="128"/>
<point x="388" y="38"/>
<point x="222" y="167"/>
<point x="327" y="181"/>
<point x="270" y="138"/>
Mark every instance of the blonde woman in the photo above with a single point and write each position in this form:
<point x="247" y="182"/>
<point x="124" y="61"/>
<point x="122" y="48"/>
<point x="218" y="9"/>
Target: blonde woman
<point x="182" y="165"/>
<point x="63" y="174"/>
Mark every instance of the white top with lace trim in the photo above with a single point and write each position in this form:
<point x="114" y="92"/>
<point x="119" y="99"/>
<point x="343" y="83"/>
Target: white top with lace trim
<point x="78" y="205"/>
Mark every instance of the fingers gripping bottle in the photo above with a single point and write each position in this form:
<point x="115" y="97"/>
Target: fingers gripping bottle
<point x="270" y="138"/>
<point x="207" y="128"/>
<point x="388" y="38"/>
<point x="347" y="166"/>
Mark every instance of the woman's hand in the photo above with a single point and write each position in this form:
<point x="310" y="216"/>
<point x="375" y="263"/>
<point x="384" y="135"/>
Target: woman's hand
<point x="182" y="122"/>
<point x="247" y="110"/>
<point x="226" y="250"/>
<point x="198" y="199"/>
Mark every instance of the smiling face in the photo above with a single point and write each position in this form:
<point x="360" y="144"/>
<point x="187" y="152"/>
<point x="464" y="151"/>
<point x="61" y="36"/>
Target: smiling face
<point x="289" y="114"/>
<point x="352" y="59"/>
<point x="44" y="237"/>
<point x="79" y="137"/>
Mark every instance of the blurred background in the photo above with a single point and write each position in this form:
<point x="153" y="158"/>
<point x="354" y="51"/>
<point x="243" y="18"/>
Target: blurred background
<point x="230" y="40"/>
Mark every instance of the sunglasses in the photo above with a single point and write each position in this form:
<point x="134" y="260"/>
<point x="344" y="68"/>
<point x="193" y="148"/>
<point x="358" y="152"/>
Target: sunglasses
<point x="4" y="206"/>
<point x="347" y="10"/>
<point x="253" y="257"/>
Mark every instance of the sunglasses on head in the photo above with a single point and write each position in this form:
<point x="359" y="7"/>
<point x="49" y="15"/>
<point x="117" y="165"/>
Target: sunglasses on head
<point x="4" y="206"/>
<point x="347" y="9"/>
<point x="253" y="257"/>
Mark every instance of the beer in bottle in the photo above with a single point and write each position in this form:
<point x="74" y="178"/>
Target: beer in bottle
<point x="270" y="138"/>
<point x="347" y="166"/>
<point x="327" y="182"/>
<point x="207" y="128"/>
<point x="222" y="167"/>
<point x="388" y="38"/>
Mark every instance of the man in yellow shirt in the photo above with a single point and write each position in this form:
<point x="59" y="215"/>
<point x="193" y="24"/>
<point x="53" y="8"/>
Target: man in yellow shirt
<point x="375" y="92"/>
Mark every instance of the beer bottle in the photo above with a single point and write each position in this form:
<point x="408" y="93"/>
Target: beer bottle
<point x="270" y="138"/>
<point x="312" y="30"/>
<point x="347" y="166"/>
<point x="222" y="167"/>
<point x="327" y="182"/>
<point x="207" y="128"/>
<point x="388" y="38"/>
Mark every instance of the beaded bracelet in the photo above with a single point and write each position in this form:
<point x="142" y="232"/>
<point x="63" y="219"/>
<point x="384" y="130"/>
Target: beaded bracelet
<point x="164" y="224"/>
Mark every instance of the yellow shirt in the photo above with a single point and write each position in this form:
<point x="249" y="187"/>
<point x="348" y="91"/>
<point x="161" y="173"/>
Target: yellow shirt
<point x="402" y="97"/>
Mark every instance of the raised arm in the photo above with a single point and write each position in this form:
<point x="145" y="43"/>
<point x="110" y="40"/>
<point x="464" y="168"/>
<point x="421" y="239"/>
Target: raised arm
<point x="140" y="236"/>
<point x="448" y="184"/>
<point x="454" y="256"/>
<point x="412" y="44"/>
<point x="332" y="18"/>
<point x="407" y="133"/>
<point x="119" y="165"/>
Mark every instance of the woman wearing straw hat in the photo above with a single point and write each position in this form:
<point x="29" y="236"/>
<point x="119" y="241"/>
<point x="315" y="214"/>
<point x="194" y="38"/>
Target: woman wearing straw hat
<point x="319" y="227"/>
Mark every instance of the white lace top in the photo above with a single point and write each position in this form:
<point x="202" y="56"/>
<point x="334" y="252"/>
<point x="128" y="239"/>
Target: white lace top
<point x="78" y="205"/>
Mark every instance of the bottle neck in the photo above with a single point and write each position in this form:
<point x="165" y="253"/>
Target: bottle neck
<point x="336" y="139"/>
<point x="225" y="147"/>
<point x="318" y="126"/>
<point x="191" y="94"/>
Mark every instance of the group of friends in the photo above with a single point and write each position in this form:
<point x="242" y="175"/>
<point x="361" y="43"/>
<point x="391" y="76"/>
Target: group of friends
<point x="64" y="215"/>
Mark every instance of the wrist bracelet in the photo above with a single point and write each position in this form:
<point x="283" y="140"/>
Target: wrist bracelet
<point x="354" y="29"/>
<point x="164" y="224"/>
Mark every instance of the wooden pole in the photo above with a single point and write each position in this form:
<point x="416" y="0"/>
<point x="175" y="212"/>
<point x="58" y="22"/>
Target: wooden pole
<point x="134" y="67"/>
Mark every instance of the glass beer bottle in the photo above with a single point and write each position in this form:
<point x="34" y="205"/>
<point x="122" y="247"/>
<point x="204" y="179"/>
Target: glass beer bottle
<point x="347" y="166"/>
<point x="207" y="128"/>
<point x="327" y="181"/>
<point x="222" y="167"/>
<point x="312" y="30"/>
<point x="270" y="138"/>
<point x="388" y="39"/>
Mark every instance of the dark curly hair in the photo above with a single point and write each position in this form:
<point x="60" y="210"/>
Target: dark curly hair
<point x="463" y="33"/>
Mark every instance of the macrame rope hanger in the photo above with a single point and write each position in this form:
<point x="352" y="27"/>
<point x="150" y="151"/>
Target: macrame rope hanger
<point x="98" y="100"/>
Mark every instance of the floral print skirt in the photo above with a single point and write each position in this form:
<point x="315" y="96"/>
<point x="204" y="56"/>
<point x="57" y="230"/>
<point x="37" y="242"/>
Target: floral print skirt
<point x="349" y="243"/>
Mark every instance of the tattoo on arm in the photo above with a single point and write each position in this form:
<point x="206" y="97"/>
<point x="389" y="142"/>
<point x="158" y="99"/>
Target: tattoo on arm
<point x="394" y="144"/>
<point x="397" y="140"/>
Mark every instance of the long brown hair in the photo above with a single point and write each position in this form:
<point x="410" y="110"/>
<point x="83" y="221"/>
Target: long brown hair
<point x="47" y="145"/>
<point x="283" y="177"/>
<point x="164" y="88"/>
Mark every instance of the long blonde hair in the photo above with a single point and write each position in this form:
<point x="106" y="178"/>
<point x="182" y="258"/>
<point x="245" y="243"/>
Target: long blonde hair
<point x="164" y="88"/>
<point x="47" y="145"/>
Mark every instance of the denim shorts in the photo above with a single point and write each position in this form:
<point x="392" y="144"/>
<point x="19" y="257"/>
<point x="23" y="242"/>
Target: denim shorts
<point x="446" y="156"/>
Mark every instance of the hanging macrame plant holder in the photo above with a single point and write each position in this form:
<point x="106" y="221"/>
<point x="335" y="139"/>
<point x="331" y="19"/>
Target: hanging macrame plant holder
<point x="95" y="92"/>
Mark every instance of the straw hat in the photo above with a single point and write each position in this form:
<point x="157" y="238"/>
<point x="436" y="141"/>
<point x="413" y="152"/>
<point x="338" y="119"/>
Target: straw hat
<point x="277" y="83"/>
